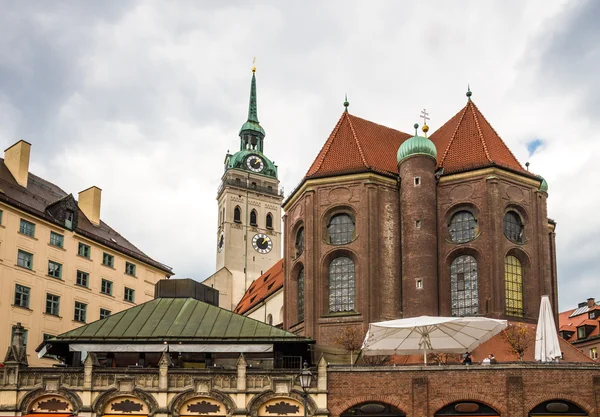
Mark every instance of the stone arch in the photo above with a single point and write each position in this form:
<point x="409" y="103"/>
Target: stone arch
<point x="533" y="402"/>
<point x="180" y="399"/>
<point x="29" y="399"/>
<point x="386" y="399"/>
<point x="481" y="398"/>
<point x="466" y="407"/>
<point x="259" y="399"/>
<point x="103" y="399"/>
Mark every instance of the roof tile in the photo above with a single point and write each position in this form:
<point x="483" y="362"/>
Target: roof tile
<point x="268" y="283"/>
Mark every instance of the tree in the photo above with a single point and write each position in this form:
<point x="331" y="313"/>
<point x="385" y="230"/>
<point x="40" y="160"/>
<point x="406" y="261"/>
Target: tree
<point x="444" y="358"/>
<point x="519" y="337"/>
<point x="350" y="339"/>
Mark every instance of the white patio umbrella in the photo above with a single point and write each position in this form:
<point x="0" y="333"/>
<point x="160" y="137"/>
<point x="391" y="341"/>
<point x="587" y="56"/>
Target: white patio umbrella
<point x="429" y="334"/>
<point x="547" y="348"/>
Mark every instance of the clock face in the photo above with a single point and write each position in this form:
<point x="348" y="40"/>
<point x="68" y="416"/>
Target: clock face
<point x="221" y="242"/>
<point x="255" y="163"/>
<point x="262" y="243"/>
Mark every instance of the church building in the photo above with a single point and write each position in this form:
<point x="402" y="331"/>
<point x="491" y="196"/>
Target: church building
<point x="386" y="225"/>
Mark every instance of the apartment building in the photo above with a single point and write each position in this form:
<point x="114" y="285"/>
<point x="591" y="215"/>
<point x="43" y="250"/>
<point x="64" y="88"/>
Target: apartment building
<point x="61" y="266"/>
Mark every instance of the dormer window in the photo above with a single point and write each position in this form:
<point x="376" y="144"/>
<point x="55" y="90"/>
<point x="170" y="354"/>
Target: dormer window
<point x="581" y="332"/>
<point x="592" y="314"/>
<point x="69" y="215"/>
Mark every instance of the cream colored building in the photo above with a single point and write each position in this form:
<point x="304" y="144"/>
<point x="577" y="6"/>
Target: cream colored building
<point x="60" y="265"/>
<point x="248" y="238"/>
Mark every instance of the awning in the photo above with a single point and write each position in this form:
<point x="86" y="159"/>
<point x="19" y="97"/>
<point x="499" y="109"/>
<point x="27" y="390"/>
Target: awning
<point x="213" y="348"/>
<point x="92" y="347"/>
<point x="222" y="348"/>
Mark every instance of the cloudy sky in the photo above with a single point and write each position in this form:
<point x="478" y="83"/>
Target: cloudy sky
<point x="143" y="99"/>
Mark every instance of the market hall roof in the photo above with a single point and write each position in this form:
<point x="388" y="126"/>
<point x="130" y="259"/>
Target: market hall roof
<point x="184" y="320"/>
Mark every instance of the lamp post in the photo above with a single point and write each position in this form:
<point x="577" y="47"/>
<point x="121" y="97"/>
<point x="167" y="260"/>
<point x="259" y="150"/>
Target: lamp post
<point x="305" y="379"/>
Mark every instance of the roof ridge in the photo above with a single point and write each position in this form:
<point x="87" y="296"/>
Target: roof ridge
<point x="441" y="163"/>
<point x="360" y="151"/>
<point x="499" y="137"/>
<point x="325" y="149"/>
<point x="485" y="149"/>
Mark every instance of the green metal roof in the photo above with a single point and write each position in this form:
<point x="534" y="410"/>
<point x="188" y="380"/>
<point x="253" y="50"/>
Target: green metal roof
<point x="543" y="185"/>
<point x="417" y="145"/>
<point x="179" y="319"/>
<point x="238" y="160"/>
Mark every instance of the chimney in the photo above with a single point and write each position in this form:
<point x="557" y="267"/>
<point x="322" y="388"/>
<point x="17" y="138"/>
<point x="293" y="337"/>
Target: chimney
<point x="16" y="159"/>
<point x="591" y="302"/>
<point x="89" y="204"/>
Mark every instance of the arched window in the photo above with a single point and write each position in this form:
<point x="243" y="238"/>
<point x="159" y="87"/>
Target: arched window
<point x="513" y="227"/>
<point x="269" y="221"/>
<point x="463" y="286"/>
<point x="341" y="285"/>
<point x="341" y="229"/>
<point x="467" y="408"/>
<point x="462" y="227"/>
<point x="301" y="294"/>
<point x="237" y="214"/>
<point x="253" y="218"/>
<point x="513" y="280"/>
<point x="270" y="319"/>
<point x="557" y="408"/>
<point x="372" y="409"/>
<point x="300" y="241"/>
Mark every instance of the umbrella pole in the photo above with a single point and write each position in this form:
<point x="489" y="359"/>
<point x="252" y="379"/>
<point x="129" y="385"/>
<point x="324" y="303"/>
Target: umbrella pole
<point x="425" y="356"/>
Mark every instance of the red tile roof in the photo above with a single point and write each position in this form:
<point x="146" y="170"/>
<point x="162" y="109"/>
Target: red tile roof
<point x="570" y="324"/>
<point x="358" y="145"/>
<point x="498" y="345"/>
<point x="468" y="141"/>
<point x="262" y="287"/>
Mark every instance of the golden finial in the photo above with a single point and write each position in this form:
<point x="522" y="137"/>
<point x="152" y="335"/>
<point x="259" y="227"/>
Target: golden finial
<point x="254" y="65"/>
<point x="425" y="117"/>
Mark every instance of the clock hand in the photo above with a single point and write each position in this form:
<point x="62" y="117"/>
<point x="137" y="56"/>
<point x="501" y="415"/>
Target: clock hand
<point x="264" y="240"/>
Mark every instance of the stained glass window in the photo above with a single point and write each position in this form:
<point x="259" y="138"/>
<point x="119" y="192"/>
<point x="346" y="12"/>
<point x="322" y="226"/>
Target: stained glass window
<point x="341" y="229"/>
<point x="300" y="241"/>
<point x="341" y="285"/>
<point x="464" y="286"/>
<point x="301" y="294"/>
<point x="513" y="279"/>
<point x="513" y="227"/>
<point x="462" y="227"/>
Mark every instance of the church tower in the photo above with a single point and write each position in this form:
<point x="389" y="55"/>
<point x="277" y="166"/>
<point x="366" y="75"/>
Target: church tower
<point x="248" y="238"/>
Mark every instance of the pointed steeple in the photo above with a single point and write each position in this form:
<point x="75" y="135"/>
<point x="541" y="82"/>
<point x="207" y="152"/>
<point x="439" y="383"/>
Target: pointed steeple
<point x="252" y="133"/>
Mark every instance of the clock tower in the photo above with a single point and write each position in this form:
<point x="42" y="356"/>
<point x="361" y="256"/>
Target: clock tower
<point x="248" y="238"/>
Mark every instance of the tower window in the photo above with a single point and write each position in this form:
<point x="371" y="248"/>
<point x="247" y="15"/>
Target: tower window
<point x="513" y="227"/>
<point x="418" y="224"/>
<point x="341" y="229"/>
<point x="270" y="319"/>
<point x="341" y="285"/>
<point x="419" y="284"/>
<point x="513" y="280"/>
<point x="417" y="181"/>
<point x="300" y="241"/>
<point x="237" y="214"/>
<point x="464" y="286"/>
<point x="301" y="294"/>
<point x="269" y="221"/>
<point x="462" y="227"/>
<point x="253" y="218"/>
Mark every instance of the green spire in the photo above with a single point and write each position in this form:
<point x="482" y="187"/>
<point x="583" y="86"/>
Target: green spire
<point x="252" y="109"/>
<point x="469" y="93"/>
<point x="346" y="103"/>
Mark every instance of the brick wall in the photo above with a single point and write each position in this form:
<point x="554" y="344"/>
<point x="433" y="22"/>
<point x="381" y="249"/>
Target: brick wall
<point x="512" y="390"/>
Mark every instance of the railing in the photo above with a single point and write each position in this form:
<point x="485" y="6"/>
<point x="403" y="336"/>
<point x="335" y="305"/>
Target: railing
<point x="244" y="185"/>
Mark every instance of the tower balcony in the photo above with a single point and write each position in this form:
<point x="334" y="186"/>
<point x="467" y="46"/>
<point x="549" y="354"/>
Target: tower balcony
<point x="250" y="186"/>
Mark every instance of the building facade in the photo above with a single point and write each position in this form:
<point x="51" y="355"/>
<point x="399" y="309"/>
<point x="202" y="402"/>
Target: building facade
<point x="60" y="265"/>
<point x="387" y="225"/>
<point x="248" y="238"/>
<point x="581" y="327"/>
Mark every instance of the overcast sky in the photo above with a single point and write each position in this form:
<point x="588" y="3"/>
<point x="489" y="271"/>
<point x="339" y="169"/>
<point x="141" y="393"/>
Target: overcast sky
<point x="143" y="99"/>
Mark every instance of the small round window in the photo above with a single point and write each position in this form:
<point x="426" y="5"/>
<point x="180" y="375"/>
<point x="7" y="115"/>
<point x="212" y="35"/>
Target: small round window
<point x="513" y="227"/>
<point x="462" y="227"/>
<point x="341" y="229"/>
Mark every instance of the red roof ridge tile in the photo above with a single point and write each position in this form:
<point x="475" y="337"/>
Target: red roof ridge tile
<point x="360" y="151"/>
<point x="442" y="160"/>
<point x="485" y="148"/>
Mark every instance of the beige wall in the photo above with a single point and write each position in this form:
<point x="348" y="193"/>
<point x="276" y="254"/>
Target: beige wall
<point x="238" y="254"/>
<point x="273" y="306"/>
<point x="34" y="319"/>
